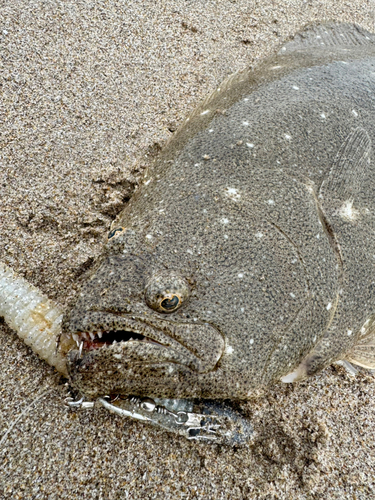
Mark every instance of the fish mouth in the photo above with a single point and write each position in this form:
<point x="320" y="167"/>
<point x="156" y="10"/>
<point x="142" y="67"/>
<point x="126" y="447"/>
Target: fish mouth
<point x="136" y="339"/>
<point x="96" y="340"/>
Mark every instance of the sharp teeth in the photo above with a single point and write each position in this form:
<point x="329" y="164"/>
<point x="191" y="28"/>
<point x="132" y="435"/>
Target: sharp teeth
<point x="78" y="343"/>
<point x="75" y="337"/>
<point x="84" y="335"/>
<point x="100" y="334"/>
<point x="131" y="338"/>
<point x="80" y="349"/>
<point x="92" y="335"/>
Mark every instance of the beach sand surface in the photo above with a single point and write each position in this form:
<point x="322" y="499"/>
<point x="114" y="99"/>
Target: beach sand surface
<point x="90" y="92"/>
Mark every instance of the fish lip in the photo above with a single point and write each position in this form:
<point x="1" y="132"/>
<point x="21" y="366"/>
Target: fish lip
<point x="197" y="345"/>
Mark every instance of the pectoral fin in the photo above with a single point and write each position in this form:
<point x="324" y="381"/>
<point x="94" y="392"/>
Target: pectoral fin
<point x="345" y="179"/>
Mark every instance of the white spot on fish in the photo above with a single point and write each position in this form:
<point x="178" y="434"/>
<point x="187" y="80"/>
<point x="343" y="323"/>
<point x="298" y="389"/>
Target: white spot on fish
<point x="242" y="309"/>
<point x="229" y="349"/>
<point x="147" y="182"/>
<point x="323" y="116"/>
<point x="295" y="87"/>
<point x="292" y="295"/>
<point x="211" y="130"/>
<point x="232" y="193"/>
<point x="246" y="124"/>
<point x="276" y="67"/>
<point x="251" y="341"/>
<point x="240" y="275"/>
<point x="205" y="112"/>
<point x="287" y="136"/>
<point x="350" y="332"/>
<point x="117" y="356"/>
<point x="270" y="202"/>
<point x="259" y="235"/>
<point x="149" y="236"/>
<point x="354" y="112"/>
<point x="224" y="221"/>
<point x="226" y="236"/>
<point x="329" y="305"/>
<point x="249" y="144"/>
<point x="347" y="211"/>
<point x="189" y="251"/>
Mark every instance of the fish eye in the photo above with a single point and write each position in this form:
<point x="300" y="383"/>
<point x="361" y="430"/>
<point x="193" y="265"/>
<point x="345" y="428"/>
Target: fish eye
<point x="115" y="232"/>
<point x="166" y="291"/>
<point x="170" y="303"/>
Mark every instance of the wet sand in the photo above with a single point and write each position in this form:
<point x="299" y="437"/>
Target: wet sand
<point x="90" y="92"/>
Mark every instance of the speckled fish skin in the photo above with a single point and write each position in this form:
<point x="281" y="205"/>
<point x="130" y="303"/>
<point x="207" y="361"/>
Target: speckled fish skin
<point x="260" y="215"/>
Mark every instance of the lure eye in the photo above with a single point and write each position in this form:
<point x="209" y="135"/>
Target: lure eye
<point x="166" y="292"/>
<point x="115" y="232"/>
<point x="170" y="303"/>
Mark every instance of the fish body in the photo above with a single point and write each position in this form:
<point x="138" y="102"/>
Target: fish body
<point x="247" y="255"/>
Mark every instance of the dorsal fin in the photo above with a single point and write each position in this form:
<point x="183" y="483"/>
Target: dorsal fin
<point x="345" y="179"/>
<point x="328" y="34"/>
<point x="226" y="84"/>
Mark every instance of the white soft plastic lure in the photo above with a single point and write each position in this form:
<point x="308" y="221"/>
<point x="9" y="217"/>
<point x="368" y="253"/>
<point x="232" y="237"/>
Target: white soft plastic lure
<point x="35" y="318"/>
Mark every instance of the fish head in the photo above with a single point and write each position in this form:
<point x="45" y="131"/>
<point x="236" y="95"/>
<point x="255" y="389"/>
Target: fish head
<point x="134" y="327"/>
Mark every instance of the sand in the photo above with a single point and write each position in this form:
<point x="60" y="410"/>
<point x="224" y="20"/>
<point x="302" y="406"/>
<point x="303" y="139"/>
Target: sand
<point x="90" y="92"/>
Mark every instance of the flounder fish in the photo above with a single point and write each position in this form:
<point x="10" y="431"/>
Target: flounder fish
<point x="247" y="255"/>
